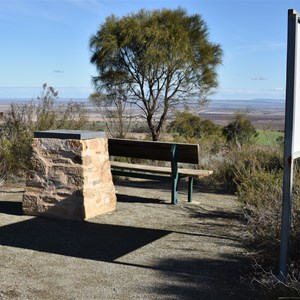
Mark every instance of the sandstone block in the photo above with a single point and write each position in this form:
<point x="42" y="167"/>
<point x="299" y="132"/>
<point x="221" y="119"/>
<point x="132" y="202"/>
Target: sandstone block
<point x="70" y="178"/>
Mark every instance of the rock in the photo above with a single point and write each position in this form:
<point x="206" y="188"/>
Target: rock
<point x="70" y="179"/>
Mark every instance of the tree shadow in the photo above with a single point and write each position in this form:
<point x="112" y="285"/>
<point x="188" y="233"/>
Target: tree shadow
<point x="218" y="214"/>
<point x="207" y="279"/>
<point x="101" y="242"/>
<point x="206" y="185"/>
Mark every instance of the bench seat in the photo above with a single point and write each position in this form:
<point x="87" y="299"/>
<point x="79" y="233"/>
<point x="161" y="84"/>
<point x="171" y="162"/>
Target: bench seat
<point x="160" y="170"/>
<point x="174" y="153"/>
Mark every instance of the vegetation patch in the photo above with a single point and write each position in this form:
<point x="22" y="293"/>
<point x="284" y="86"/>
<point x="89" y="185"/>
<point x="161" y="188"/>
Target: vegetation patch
<point x="21" y="120"/>
<point x="268" y="137"/>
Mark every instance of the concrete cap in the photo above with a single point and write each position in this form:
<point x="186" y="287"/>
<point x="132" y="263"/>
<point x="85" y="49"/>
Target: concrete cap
<point x="70" y="134"/>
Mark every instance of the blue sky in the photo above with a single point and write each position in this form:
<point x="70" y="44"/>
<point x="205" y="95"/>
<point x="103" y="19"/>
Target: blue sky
<point x="47" y="41"/>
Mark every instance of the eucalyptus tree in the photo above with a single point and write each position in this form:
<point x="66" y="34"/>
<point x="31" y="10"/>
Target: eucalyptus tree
<point x="160" y="58"/>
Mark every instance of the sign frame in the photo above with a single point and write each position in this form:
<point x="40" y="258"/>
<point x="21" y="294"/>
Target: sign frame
<point x="291" y="131"/>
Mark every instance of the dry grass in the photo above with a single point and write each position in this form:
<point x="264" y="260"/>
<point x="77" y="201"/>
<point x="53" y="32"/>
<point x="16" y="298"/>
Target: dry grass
<point x="2" y="173"/>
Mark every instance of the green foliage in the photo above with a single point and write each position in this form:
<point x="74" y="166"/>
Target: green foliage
<point x="255" y="174"/>
<point x="261" y="192"/>
<point x="238" y="164"/>
<point x="189" y="126"/>
<point x="268" y="137"/>
<point x="156" y="58"/>
<point x="3" y="172"/>
<point x="240" y="131"/>
<point x="21" y="120"/>
<point x="15" y="153"/>
<point x="259" y="182"/>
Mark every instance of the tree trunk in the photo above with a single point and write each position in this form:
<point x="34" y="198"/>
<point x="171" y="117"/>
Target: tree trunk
<point x="155" y="136"/>
<point x="154" y="131"/>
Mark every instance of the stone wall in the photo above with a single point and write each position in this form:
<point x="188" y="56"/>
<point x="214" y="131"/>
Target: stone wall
<point x="70" y="179"/>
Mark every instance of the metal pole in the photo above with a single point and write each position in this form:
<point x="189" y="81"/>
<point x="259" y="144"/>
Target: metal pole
<point x="288" y="145"/>
<point x="286" y="219"/>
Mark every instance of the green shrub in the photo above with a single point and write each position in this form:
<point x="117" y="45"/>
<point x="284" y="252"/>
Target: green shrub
<point x="255" y="174"/>
<point x="190" y="128"/>
<point x="260" y="192"/>
<point x="240" y="131"/>
<point x="21" y="120"/>
<point x="235" y="164"/>
<point x="3" y="170"/>
<point x="189" y="125"/>
<point x="15" y="154"/>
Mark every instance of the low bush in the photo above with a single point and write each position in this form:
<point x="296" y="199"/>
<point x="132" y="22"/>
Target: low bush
<point x="190" y="128"/>
<point x="189" y="125"/>
<point x="237" y="164"/>
<point x="240" y="131"/>
<point x="3" y="171"/>
<point x="255" y="174"/>
<point x="261" y="193"/>
<point x="21" y="120"/>
<point x="273" y="288"/>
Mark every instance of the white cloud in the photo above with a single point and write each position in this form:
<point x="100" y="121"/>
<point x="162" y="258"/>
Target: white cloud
<point x="268" y="45"/>
<point x="278" y="89"/>
<point x="258" y="77"/>
<point x="231" y="93"/>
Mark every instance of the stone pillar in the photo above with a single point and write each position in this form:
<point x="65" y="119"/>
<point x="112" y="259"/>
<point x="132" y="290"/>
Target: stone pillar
<point x="70" y="176"/>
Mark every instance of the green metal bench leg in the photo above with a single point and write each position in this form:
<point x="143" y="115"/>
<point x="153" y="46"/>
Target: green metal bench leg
<point x="175" y="175"/>
<point x="175" y="184"/>
<point x="190" y="189"/>
<point x="175" y="191"/>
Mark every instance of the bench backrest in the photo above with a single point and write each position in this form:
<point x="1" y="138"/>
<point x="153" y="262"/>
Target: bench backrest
<point x="187" y="153"/>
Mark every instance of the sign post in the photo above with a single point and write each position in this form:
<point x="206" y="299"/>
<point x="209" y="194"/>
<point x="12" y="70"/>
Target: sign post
<point x="291" y="132"/>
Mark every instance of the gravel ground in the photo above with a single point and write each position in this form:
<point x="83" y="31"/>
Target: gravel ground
<point x="146" y="249"/>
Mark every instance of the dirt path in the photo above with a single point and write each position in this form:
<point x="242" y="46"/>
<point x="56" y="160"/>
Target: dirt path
<point x="146" y="249"/>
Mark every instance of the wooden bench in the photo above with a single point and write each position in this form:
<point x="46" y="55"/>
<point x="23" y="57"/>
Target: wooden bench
<point x="171" y="152"/>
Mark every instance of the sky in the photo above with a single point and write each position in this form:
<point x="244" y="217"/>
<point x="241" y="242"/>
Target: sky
<point x="47" y="41"/>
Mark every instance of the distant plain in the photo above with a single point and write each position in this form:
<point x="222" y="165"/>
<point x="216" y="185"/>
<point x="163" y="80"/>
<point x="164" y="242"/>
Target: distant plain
<point x="264" y="113"/>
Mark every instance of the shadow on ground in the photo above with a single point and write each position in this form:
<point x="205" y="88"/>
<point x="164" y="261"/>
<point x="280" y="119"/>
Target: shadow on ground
<point x="200" y="185"/>
<point x="11" y="208"/>
<point x="87" y="240"/>
<point x="134" y="199"/>
<point x="184" y="278"/>
<point x="143" y="184"/>
<point x="216" y="214"/>
<point x="207" y="279"/>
